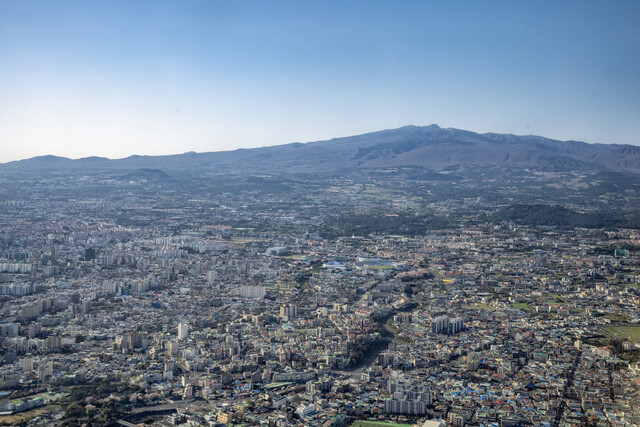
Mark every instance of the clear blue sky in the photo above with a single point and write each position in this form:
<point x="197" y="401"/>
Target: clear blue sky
<point x="121" y="77"/>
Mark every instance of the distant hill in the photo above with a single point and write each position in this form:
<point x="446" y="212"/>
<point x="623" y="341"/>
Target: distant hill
<point x="147" y="175"/>
<point x="430" y="147"/>
<point x="559" y="216"/>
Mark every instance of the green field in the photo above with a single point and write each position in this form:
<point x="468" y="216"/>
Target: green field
<point x="521" y="305"/>
<point x="630" y="332"/>
<point x="377" y="424"/>
<point x="618" y="317"/>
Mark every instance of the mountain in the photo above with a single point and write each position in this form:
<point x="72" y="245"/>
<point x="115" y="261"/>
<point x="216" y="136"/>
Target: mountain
<point x="429" y="147"/>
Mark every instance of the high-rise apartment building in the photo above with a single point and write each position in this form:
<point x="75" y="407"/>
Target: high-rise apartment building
<point x="183" y="331"/>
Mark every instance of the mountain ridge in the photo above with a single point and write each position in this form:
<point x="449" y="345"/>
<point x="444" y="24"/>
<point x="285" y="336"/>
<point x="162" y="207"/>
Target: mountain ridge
<point x="430" y="147"/>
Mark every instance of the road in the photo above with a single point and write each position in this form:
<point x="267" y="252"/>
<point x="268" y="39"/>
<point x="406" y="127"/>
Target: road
<point x="568" y="386"/>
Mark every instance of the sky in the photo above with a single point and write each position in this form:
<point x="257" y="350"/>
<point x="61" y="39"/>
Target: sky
<point x="121" y="77"/>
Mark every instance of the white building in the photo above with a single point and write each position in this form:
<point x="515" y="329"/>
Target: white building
<point x="247" y="291"/>
<point x="183" y="331"/>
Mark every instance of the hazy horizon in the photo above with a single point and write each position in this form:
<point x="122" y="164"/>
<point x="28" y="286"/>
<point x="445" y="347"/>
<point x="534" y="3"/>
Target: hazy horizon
<point x="154" y="78"/>
<point x="284" y="143"/>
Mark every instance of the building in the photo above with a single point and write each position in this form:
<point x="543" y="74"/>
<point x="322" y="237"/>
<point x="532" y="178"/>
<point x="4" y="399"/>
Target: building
<point x="54" y="343"/>
<point x="183" y="331"/>
<point x="407" y="398"/>
<point x="288" y="311"/>
<point x="455" y="325"/>
<point x="247" y="291"/>
<point x="444" y="325"/>
<point x="276" y="250"/>
<point x="440" y="324"/>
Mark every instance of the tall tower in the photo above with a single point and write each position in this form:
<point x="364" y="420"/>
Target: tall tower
<point x="183" y="331"/>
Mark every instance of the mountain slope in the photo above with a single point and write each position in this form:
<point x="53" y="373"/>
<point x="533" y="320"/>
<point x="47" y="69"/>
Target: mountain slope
<point x="429" y="147"/>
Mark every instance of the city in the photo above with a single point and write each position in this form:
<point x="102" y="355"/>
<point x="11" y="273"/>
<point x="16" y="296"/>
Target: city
<point x="186" y="314"/>
<point x="325" y="213"/>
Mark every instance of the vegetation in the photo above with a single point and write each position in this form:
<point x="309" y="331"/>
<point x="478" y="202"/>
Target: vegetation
<point x="630" y="356"/>
<point x="618" y="317"/>
<point x="610" y="248"/>
<point x="404" y="224"/>
<point x="101" y="396"/>
<point x="559" y="216"/>
<point x="597" y="340"/>
<point x="521" y="306"/>
<point x="556" y="298"/>
<point x="21" y="418"/>
<point x="359" y="352"/>
<point x="629" y="332"/>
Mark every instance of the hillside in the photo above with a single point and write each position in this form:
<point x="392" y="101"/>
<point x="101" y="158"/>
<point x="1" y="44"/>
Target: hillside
<point x="428" y="147"/>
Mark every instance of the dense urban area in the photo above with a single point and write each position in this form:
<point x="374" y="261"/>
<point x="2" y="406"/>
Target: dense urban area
<point x="394" y="295"/>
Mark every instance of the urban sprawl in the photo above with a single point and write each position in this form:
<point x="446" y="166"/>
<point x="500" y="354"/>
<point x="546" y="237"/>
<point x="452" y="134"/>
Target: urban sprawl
<point x="187" y="319"/>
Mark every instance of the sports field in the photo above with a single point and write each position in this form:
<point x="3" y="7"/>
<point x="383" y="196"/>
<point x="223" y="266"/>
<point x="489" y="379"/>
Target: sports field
<point x="521" y="305"/>
<point x="630" y="332"/>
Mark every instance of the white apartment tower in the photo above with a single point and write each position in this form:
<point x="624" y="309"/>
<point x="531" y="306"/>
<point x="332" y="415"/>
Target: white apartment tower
<point x="183" y="331"/>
